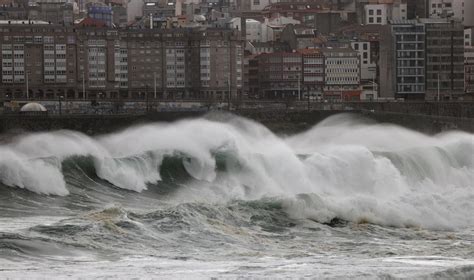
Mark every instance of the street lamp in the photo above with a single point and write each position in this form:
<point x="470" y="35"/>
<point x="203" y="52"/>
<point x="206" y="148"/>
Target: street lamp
<point x="60" y="104"/>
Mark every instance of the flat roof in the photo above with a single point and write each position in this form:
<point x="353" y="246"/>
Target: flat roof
<point x="23" y="22"/>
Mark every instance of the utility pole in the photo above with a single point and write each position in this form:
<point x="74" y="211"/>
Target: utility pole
<point x="27" y="89"/>
<point x="373" y="84"/>
<point x="154" y="80"/>
<point x="438" y="87"/>
<point x="228" y="82"/>
<point x="299" y="88"/>
<point x="60" y="109"/>
<point x="146" y="97"/>
<point x="83" y="85"/>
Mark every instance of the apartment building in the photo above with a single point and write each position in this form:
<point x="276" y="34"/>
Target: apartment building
<point x="88" y="63"/>
<point x="469" y="72"/>
<point x="368" y="67"/>
<point x="441" y="8"/>
<point x="342" y="74"/>
<point x="384" y="11"/>
<point x="444" y="59"/>
<point x="280" y="75"/>
<point x="34" y="56"/>
<point x="313" y="72"/>
<point x="408" y="59"/>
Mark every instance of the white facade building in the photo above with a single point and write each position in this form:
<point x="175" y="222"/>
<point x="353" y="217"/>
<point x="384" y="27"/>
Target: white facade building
<point x="253" y="29"/>
<point x="342" y="68"/>
<point x="267" y="31"/>
<point x="376" y="14"/>
<point x="460" y="9"/>
<point x="464" y="10"/>
<point x="368" y="67"/>
<point x="381" y="14"/>
<point x="440" y="8"/>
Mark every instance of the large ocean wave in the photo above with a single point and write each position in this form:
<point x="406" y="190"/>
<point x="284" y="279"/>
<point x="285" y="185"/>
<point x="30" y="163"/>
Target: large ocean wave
<point x="341" y="168"/>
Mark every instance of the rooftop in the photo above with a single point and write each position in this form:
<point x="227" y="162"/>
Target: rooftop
<point x="22" y="22"/>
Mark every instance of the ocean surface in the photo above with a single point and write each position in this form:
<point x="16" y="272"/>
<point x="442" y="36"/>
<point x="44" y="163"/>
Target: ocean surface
<point x="226" y="199"/>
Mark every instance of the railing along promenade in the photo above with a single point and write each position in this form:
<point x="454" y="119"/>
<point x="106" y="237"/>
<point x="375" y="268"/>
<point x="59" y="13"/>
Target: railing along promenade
<point x="124" y="107"/>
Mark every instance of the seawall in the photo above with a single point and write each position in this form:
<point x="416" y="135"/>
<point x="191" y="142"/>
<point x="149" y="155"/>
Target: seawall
<point x="279" y="121"/>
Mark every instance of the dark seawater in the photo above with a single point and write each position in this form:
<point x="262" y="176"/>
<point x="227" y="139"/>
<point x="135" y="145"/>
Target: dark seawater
<point x="200" y="199"/>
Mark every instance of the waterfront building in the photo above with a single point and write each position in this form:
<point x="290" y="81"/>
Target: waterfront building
<point x="382" y="11"/>
<point x="313" y="73"/>
<point x="440" y="8"/>
<point x="342" y="74"/>
<point x="58" y="60"/>
<point x="280" y="75"/>
<point x="469" y="72"/>
<point x="444" y="59"/>
<point x="407" y="58"/>
<point x="368" y="67"/>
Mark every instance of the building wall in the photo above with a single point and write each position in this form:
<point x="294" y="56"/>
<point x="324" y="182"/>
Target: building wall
<point x="468" y="13"/>
<point x="108" y="63"/>
<point x="444" y="59"/>
<point x="440" y="8"/>
<point x="280" y="75"/>
<point x="469" y="71"/>
<point x="409" y="60"/>
<point x="368" y="69"/>
<point x="468" y="34"/>
<point x="376" y="14"/>
<point x="313" y="73"/>
<point x="342" y="74"/>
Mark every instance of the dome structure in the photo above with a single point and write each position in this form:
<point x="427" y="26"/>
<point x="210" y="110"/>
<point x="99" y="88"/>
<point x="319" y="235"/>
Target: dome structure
<point x="33" y="107"/>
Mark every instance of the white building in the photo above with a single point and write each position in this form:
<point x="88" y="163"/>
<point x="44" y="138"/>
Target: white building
<point x="368" y="67"/>
<point x="440" y="8"/>
<point x="376" y="14"/>
<point x="381" y="14"/>
<point x="253" y="29"/>
<point x="464" y="10"/>
<point x="267" y="31"/>
<point x="342" y="73"/>
<point x="460" y="9"/>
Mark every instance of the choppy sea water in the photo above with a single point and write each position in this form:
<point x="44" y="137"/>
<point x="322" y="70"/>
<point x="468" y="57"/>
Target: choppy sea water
<point x="200" y="199"/>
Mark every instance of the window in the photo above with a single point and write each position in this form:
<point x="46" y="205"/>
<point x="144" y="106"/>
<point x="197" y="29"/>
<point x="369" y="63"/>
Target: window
<point x="371" y="20"/>
<point x="379" y="12"/>
<point x="379" y="20"/>
<point x="371" y="12"/>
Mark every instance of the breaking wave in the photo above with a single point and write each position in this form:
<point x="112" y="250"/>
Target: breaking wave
<point x="342" y="168"/>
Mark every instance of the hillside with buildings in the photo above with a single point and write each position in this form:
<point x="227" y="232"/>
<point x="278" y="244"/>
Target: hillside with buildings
<point x="211" y="50"/>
